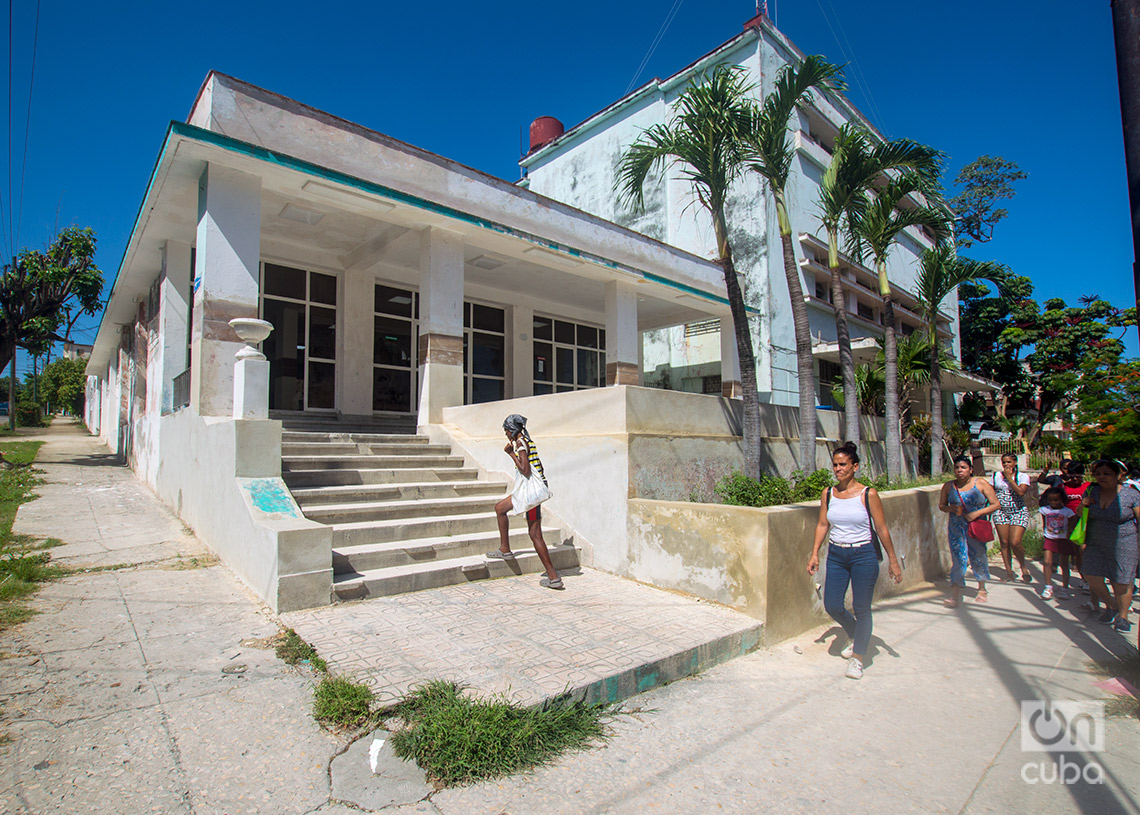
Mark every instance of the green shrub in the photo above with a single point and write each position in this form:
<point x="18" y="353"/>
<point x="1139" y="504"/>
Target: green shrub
<point x="740" y="490"/>
<point x="1034" y="544"/>
<point x="29" y="414"/>
<point x="457" y="739"/>
<point x="340" y="701"/>
<point x="810" y="487"/>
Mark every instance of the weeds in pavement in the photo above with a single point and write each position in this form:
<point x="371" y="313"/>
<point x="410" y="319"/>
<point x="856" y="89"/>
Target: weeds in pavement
<point x="457" y="738"/>
<point x="340" y="702"/>
<point x="23" y="561"/>
<point x="1127" y="668"/>
<point x="292" y="649"/>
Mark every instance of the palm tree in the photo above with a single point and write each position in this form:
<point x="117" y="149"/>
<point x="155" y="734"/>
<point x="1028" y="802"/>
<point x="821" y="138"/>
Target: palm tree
<point x="942" y="272"/>
<point x="704" y="139"/>
<point x="855" y="166"/>
<point x="874" y="228"/>
<point x="770" y="155"/>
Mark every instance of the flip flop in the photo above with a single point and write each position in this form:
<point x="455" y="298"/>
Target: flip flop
<point x="950" y="603"/>
<point x="982" y="597"/>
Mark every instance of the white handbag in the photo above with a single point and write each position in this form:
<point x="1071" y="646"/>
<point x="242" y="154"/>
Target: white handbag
<point x="529" y="492"/>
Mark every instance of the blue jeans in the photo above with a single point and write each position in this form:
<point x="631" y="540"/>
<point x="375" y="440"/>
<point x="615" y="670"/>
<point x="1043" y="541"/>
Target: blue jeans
<point x="858" y="567"/>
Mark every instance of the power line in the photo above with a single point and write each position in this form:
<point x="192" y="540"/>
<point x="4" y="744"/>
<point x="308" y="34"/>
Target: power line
<point x="28" y="125"/>
<point x="860" y="79"/>
<point x="656" y="41"/>
<point x="11" y="222"/>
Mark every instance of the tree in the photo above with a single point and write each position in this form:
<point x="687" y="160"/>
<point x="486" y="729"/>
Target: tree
<point x="984" y="314"/>
<point x="63" y="383"/>
<point x="941" y="272"/>
<point x="1057" y="339"/>
<point x="703" y="138"/>
<point x="1106" y="420"/>
<point x="44" y="293"/>
<point x="874" y="228"/>
<point x="855" y="166"/>
<point x="984" y="181"/>
<point x="770" y="154"/>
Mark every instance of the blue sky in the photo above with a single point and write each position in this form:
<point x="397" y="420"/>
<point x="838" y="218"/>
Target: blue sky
<point x="1031" y="80"/>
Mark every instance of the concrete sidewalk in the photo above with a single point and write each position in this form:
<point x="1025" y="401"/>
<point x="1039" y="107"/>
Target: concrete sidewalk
<point x="149" y="689"/>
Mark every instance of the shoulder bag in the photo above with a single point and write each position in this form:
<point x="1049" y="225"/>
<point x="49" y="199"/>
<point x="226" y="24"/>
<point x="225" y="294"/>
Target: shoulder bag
<point x="980" y="529"/>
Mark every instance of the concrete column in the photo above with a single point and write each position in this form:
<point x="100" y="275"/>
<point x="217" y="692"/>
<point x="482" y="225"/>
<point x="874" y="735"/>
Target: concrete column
<point x="729" y="361"/>
<point x="173" y="319"/>
<point x="226" y="282"/>
<point x="622" y="337"/>
<point x="520" y="352"/>
<point x="251" y="388"/>
<point x="357" y="342"/>
<point x="441" y="324"/>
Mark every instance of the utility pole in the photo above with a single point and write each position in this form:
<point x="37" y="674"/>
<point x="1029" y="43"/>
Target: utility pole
<point x="1126" y="28"/>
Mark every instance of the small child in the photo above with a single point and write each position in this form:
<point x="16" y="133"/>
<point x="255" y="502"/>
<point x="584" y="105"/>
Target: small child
<point x="1059" y="522"/>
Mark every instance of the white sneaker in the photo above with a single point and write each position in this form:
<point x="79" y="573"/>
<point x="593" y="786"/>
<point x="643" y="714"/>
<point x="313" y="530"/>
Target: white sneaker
<point x="1047" y="593"/>
<point x="848" y="651"/>
<point x="854" y="669"/>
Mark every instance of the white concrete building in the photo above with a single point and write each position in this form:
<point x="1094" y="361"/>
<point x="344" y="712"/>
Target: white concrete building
<point x="579" y="167"/>
<point x="398" y="284"/>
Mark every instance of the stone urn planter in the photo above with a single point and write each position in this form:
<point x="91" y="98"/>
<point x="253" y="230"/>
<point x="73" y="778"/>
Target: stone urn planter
<point x="250" y="331"/>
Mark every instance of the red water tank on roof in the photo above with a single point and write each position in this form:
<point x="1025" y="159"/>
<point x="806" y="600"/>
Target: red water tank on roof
<point x="544" y="130"/>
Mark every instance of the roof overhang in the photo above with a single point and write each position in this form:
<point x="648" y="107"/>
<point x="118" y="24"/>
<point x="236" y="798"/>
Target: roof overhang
<point x="548" y="243"/>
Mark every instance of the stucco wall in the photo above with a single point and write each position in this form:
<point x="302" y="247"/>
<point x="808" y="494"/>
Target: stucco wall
<point x="223" y="478"/>
<point x="755" y="559"/>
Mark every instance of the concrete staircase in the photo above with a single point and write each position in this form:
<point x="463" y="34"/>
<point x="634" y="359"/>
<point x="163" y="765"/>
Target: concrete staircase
<point x="406" y="514"/>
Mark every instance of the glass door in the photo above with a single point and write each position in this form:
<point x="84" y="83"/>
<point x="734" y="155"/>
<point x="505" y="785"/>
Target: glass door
<point x="395" y="354"/>
<point x="302" y="348"/>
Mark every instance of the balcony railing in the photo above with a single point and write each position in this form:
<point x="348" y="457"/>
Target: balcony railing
<point x="181" y="390"/>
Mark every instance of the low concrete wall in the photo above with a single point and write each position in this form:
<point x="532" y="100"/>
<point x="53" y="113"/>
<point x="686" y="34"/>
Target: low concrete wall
<point x="223" y="478"/>
<point x="755" y="559"/>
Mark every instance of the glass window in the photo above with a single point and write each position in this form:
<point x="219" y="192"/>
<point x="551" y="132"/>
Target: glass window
<point x="322" y="385"/>
<point x="486" y="390"/>
<point x="486" y="318"/>
<point x="282" y="281"/>
<point x="563" y="332"/>
<point x="543" y="357"/>
<point x="587" y="337"/>
<point x="391" y="389"/>
<point x="393" y="301"/>
<point x="543" y="328"/>
<point x="392" y="342"/>
<point x="322" y="333"/>
<point x="487" y="354"/>
<point x="588" y="368"/>
<point x="564" y="365"/>
<point x="322" y="288"/>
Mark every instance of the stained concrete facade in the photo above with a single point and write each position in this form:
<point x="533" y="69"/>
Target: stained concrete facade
<point x="579" y="168"/>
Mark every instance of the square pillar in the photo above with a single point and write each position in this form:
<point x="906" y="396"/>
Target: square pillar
<point x="520" y="352"/>
<point x="441" y="324"/>
<point x="730" y="386"/>
<point x="357" y="342"/>
<point x="173" y="319"/>
<point x="622" y="337"/>
<point x="226" y="282"/>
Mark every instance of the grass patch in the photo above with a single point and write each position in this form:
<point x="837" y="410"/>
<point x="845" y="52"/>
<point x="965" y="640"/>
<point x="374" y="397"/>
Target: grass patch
<point x="24" y="563"/>
<point x="340" y="702"/>
<point x="1127" y="668"/>
<point x="292" y="649"/>
<point x="457" y="739"/>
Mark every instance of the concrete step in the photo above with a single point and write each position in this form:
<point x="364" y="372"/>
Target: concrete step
<point x="403" y="529"/>
<point x="404" y="424"/>
<point x="290" y="436"/>
<point x="420" y="576"/>
<point x="401" y="510"/>
<point x="349" y="448"/>
<point x="371" y="556"/>
<point x="315" y="496"/>
<point x="299" y="479"/>
<point x="347" y="462"/>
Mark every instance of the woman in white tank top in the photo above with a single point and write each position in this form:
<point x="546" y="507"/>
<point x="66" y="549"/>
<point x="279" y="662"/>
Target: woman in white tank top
<point x="846" y="511"/>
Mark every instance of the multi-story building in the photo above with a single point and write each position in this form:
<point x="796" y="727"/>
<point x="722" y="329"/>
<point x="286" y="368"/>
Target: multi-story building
<point x="579" y="166"/>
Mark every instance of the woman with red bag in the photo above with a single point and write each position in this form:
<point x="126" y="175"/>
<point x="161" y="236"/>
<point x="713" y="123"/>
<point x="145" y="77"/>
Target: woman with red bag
<point x="968" y="500"/>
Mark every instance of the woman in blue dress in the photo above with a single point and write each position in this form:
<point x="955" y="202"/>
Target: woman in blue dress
<point x="966" y="499"/>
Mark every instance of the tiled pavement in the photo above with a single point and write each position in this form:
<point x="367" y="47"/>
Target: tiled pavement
<point x="513" y="636"/>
